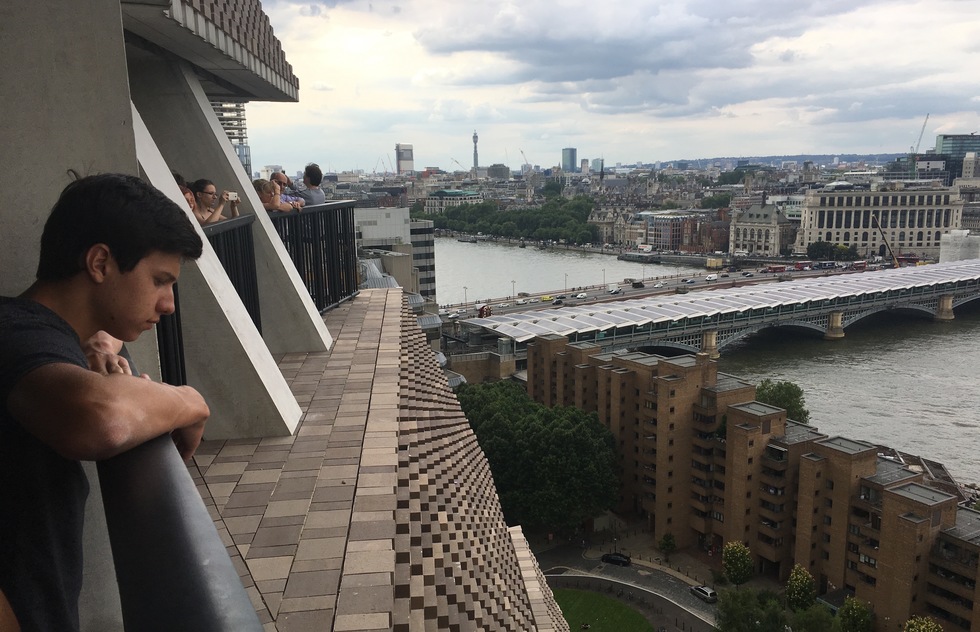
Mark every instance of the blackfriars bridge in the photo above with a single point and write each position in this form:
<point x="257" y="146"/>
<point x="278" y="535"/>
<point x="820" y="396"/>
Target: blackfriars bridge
<point x="709" y="320"/>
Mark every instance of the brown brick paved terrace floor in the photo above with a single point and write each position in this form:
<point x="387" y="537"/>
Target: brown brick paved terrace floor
<point x="379" y="513"/>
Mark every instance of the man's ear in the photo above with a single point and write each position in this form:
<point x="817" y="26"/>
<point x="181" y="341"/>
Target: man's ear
<point x="97" y="261"/>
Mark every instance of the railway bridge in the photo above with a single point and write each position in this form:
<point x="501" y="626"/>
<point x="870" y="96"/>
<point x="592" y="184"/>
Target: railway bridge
<point x="709" y="320"/>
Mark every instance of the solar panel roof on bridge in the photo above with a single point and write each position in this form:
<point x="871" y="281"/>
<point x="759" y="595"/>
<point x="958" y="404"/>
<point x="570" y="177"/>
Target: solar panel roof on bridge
<point x="602" y="316"/>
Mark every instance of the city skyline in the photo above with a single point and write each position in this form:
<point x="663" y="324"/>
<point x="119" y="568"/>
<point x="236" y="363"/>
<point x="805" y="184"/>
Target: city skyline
<point x="647" y="81"/>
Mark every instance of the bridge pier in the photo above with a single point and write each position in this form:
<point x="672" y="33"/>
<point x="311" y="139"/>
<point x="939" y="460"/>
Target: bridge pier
<point x="835" y="326"/>
<point x="944" y="308"/>
<point x="709" y="344"/>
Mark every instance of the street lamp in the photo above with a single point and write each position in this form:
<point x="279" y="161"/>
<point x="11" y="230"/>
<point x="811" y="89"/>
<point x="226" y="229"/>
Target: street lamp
<point x="512" y="293"/>
<point x="603" y="277"/>
<point x="644" y="268"/>
<point x="566" y="282"/>
<point x="464" y="294"/>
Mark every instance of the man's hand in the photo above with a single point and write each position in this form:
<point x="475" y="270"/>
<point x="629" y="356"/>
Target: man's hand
<point x="187" y="439"/>
<point x="102" y="352"/>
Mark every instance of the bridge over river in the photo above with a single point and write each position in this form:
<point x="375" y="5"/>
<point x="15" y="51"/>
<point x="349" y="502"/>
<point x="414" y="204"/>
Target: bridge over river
<point x="709" y="320"/>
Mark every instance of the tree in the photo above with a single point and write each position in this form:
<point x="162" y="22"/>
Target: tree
<point x="816" y="618"/>
<point x="853" y="616"/>
<point x="720" y="200"/>
<point x="922" y="624"/>
<point x="737" y="562"/>
<point x="738" y="610"/>
<point x="820" y="251"/>
<point x="786" y="395"/>
<point x="553" y="467"/>
<point x="667" y="545"/>
<point x="801" y="589"/>
<point x="551" y="188"/>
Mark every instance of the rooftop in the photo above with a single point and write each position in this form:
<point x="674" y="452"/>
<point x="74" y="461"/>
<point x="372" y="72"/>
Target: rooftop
<point x="922" y="494"/>
<point x="849" y="446"/>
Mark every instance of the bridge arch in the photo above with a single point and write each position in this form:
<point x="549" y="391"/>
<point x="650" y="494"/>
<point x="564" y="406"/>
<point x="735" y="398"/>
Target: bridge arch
<point x="918" y="310"/>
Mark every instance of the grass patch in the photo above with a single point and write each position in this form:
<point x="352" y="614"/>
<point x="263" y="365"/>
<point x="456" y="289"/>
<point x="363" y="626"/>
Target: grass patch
<point x="601" y="612"/>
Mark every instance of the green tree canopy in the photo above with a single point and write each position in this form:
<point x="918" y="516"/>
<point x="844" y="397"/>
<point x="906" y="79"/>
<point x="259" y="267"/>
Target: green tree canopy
<point x="667" y="545"/>
<point x="750" y="611"/>
<point x="786" y="395"/>
<point x="551" y="188"/>
<point x="853" y="616"/>
<point x="720" y="200"/>
<point x="553" y="467"/>
<point x="737" y="562"/>
<point x="922" y="624"/>
<point x="801" y="589"/>
<point x="816" y="618"/>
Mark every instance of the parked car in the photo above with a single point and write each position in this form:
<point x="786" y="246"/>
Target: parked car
<point x="581" y="295"/>
<point x="619" y="559"/>
<point x="704" y="593"/>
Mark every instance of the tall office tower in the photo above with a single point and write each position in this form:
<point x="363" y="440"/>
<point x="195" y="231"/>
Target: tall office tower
<point x="584" y="165"/>
<point x="569" y="156"/>
<point x="476" y="158"/>
<point x="404" y="160"/>
<point x="596" y="164"/>
<point x="232" y="118"/>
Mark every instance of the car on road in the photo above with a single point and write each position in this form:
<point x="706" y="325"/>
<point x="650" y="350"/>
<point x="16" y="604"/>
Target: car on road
<point x="453" y="316"/>
<point x="534" y="300"/>
<point x="561" y="296"/>
<point x="658" y="284"/>
<point x="581" y="295"/>
<point x="619" y="559"/>
<point x="637" y="284"/>
<point x="704" y="593"/>
<point x="558" y="301"/>
<point x="616" y="290"/>
<point x="684" y="280"/>
<point x="503" y="304"/>
<point x="547" y="298"/>
<point x="724" y="275"/>
<point x="691" y="281"/>
<point x="747" y="274"/>
<point x="521" y="301"/>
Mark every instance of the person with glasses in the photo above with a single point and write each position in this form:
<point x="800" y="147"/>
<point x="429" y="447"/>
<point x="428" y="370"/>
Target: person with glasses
<point x="285" y="190"/>
<point x="208" y="205"/>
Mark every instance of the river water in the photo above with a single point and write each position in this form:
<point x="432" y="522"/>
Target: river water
<point x="899" y="381"/>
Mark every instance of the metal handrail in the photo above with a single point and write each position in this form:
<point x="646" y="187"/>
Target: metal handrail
<point x="172" y="567"/>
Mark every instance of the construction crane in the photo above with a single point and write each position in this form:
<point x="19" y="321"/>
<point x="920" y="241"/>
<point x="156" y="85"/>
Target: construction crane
<point x="914" y="154"/>
<point x="460" y="165"/>
<point x="884" y="238"/>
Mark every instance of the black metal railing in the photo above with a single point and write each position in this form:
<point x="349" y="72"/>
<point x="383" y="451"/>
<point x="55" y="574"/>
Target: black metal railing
<point x="172" y="568"/>
<point x="232" y="242"/>
<point x="170" y="342"/>
<point x="320" y="241"/>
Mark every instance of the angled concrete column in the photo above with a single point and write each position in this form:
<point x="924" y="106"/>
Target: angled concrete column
<point x="225" y="357"/>
<point x="944" y="308"/>
<point x="186" y="131"/>
<point x="709" y="344"/>
<point x="835" y="326"/>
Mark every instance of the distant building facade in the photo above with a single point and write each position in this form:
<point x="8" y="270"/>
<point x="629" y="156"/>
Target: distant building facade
<point x="957" y="145"/>
<point x="424" y="257"/>
<point x="762" y="231"/>
<point x="438" y="201"/>
<point x="913" y="218"/>
<point x="404" y="159"/>
<point x="569" y="159"/>
<point x="705" y="462"/>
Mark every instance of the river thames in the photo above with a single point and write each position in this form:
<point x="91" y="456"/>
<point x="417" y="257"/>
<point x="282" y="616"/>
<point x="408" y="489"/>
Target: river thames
<point x="899" y="381"/>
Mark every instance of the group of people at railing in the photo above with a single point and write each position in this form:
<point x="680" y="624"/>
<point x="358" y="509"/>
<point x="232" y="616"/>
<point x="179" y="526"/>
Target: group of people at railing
<point x="278" y="194"/>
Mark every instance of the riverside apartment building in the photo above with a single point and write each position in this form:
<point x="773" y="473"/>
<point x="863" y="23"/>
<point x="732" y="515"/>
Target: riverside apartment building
<point x="704" y="461"/>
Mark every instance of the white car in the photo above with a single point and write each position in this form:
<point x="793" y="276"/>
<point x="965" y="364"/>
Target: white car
<point x="503" y="304"/>
<point x="658" y="284"/>
<point x="534" y="300"/>
<point x="521" y="301"/>
<point x="581" y="295"/>
<point x="452" y="316"/>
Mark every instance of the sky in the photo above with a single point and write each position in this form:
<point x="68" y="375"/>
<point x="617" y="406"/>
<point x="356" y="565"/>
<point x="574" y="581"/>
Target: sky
<point x="623" y="80"/>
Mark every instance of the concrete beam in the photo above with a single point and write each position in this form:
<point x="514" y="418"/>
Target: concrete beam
<point x="225" y="357"/>
<point x="187" y="133"/>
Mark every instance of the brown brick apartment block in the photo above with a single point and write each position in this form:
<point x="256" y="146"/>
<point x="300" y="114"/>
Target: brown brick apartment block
<point x="704" y="461"/>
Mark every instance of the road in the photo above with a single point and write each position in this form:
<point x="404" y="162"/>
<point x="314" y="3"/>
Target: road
<point x="638" y="574"/>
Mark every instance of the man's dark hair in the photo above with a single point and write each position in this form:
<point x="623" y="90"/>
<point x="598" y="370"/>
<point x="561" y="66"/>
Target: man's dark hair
<point x="313" y="174"/>
<point x="121" y="211"/>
